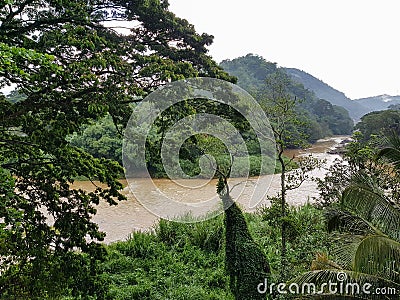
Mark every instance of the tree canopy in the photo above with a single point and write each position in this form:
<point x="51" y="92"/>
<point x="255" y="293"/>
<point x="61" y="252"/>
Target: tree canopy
<point x="71" y="66"/>
<point x="379" y="123"/>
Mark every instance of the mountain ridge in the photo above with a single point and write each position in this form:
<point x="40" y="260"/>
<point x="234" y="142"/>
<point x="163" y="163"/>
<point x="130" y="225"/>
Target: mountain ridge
<point x="324" y="91"/>
<point x="380" y="102"/>
<point x="325" y="118"/>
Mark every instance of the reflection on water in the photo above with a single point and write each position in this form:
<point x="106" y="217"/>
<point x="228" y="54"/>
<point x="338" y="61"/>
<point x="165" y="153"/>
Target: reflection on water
<point x="119" y="221"/>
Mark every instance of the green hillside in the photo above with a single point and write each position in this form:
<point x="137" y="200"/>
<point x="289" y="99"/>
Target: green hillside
<point x="324" y="91"/>
<point x="325" y="118"/>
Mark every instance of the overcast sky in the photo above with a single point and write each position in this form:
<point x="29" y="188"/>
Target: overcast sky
<point x="352" y="45"/>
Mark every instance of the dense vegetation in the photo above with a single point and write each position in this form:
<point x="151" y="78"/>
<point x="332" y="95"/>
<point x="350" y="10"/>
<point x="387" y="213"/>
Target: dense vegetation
<point x="361" y="199"/>
<point x="379" y="123"/>
<point x="322" y="119"/>
<point x="344" y="233"/>
<point x="324" y="91"/>
<point x="76" y="82"/>
<point x="186" y="261"/>
<point x="71" y="68"/>
<point x="102" y="140"/>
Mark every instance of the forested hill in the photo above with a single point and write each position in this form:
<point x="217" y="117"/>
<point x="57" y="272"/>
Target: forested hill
<point x="324" y="91"/>
<point x="325" y="118"/>
<point x="381" y="102"/>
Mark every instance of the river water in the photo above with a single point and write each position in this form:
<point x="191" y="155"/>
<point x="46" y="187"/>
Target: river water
<point x="128" y="216"/>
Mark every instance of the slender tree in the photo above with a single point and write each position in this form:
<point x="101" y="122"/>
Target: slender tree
<point x="287" y="127"/>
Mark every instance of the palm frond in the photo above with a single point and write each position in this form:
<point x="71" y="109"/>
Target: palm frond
<point x="356" y="241"/>
<point x="392" y="153"/>
<point x="344" y="221"/>
<point x="344" y="251"/>
<point x="372" y="206"/>
<point x="378" y="255"/>
<point x="349" y="285"/>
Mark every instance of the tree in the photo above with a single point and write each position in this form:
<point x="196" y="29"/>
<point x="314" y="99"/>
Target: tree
<point x="245" y="262"/>
<point x="360" y="157"/>
<point x="368" y="248"/>
<point x="100" y="140"/>
<point x="379" y="123"/>
<point x="288" y="129"/>
<point x="73" y="68"/>
<point x="392" y="151"/>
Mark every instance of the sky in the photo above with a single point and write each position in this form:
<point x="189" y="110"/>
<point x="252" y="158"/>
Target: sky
<point x="352" y="45"/>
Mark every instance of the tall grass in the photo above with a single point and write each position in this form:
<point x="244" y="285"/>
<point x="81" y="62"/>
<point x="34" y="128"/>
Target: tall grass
<point x="186" y="260"/>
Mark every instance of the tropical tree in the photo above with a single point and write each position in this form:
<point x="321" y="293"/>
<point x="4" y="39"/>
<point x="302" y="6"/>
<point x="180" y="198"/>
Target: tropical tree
<point x="72" y="67"/>
<point x="392" y="151"/>
<point x="369" y="246"/>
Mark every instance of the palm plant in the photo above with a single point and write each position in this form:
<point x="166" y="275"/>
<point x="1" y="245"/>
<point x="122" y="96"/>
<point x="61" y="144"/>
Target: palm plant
<point x="392" y="152"/>
<point x="367" y="224"/>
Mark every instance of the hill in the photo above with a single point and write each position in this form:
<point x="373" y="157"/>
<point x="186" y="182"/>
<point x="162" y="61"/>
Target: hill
<point x="322" y="90"/>
<point x="380" y="102"/>
<point x="325" y="118"/>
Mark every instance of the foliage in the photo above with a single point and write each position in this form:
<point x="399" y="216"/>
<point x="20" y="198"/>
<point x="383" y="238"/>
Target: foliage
<point x="288" y="127"/>
<point x="379" y="123"/>
<point x="368" y="247"/>
<point x="178" y="261"/>
<point x="306" y="230"/>
<point x="366" y="222"/>
<point x="71" y="68"/>
<point x="359" y="157"/>
<point x="245" y="262"/>
<point x="102" y="139"/>
<point x="324" y="91"/>
<point x="187" y="260"/>
<point x="70" y="274"/>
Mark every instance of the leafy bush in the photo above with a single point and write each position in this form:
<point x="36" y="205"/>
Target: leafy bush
<point x="306" y="229"/>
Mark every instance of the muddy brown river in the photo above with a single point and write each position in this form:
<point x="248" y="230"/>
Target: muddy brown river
<point x="128" y="216"/>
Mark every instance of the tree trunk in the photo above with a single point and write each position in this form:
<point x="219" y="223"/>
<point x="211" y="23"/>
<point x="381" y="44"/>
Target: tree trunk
<point x="283" y="214"/>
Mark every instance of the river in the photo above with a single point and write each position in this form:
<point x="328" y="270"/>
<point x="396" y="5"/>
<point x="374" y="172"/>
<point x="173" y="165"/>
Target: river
<point x="128" y="216"/>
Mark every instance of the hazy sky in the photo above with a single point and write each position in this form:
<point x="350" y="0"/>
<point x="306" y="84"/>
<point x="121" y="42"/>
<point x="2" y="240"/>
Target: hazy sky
<point x="352" y="45"/>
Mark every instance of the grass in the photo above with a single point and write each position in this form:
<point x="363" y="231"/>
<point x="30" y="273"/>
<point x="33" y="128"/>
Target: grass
<point x="186" y="260"/>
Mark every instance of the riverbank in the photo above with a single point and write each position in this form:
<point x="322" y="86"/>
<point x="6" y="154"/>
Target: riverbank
<point x="128" y="216"/>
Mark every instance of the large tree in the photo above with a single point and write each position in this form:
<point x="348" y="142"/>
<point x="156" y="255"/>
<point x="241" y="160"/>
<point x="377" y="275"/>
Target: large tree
<point x="72" y="66"/>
